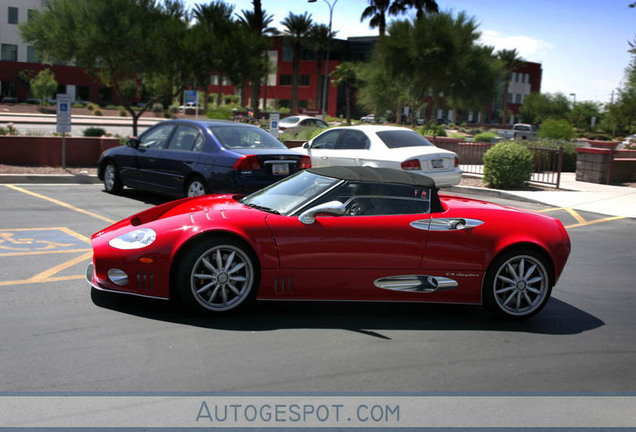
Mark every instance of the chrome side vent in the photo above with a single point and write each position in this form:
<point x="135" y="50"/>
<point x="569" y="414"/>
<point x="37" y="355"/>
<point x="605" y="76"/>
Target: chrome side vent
<point x="416" y="283"/>
<point x="283" y="285"/>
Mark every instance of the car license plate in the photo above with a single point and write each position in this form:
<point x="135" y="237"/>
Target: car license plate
<point x="280" y="169"/>
<point x="438" y="163"/>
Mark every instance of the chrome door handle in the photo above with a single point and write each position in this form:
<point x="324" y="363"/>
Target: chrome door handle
<point x="446" y="224"/>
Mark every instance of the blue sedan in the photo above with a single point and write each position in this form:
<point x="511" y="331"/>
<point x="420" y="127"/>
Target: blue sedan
<point x="190" y="158"/>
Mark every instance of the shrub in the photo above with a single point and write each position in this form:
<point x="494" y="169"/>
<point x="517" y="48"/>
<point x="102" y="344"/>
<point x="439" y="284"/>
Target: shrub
<point x="122" y="112"/>
<point x="9" y="130"/>
<point x="300" y="134"/>
<point x="94" y="132"/>
<point x="507" y="165"/>
<point x="485" y="137"/>
<point x="90" y="107"/>
<point x="222" y="112"/>
<point x="432" y="130"/>
<point x="97" y="112"/>
<point x="556" y="129"/>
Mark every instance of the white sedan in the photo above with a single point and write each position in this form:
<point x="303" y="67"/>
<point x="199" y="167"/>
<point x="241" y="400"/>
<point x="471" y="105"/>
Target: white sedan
<point x="383" y="146"/>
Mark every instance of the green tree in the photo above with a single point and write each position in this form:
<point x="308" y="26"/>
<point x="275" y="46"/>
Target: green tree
<point x="297" y="28"/>
<point x="210" y="37"/>
<point x="434" y="57"/>
<point x="581" y="115"/>
<point x="131" y="45"/>
<point x="346" y="74"/>
<point x="537" y="107"/>
<point x="44" y="85"/>
<point x="510" y="60"/>
<point x="556" y="129"/>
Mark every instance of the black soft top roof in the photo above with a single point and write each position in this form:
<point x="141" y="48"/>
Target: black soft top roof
<point x="381" y="175"/>
<point x="375" y="175"/>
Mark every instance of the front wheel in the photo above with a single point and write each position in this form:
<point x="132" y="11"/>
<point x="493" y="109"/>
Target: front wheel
<point x="112" y="182"/>
<point x="517" y="284"/>
<point x="218" y="275"/>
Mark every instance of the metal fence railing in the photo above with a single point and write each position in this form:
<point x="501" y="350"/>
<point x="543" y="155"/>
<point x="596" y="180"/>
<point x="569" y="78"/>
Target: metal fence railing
<point x="548" y="163"/>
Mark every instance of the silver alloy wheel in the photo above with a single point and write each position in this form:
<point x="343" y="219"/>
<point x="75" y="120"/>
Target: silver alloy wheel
<point x="110" y="177"/>
<point x="521" y="285"/>
<point x="195" y="188"/>
<point x="222" y="278"/>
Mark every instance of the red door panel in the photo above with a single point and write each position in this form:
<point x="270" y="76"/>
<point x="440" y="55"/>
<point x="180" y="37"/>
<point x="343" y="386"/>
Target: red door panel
<point x="349" y="242"/>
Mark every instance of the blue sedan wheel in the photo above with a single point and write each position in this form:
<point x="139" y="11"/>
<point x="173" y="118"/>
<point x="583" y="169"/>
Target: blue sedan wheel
<point x="195" y="187"/>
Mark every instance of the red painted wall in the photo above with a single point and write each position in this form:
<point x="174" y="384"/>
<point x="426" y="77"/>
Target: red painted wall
<point x="47" y="151"/>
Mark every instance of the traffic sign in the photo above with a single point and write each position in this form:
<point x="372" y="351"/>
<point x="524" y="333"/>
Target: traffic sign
<point x="63" y="113"/>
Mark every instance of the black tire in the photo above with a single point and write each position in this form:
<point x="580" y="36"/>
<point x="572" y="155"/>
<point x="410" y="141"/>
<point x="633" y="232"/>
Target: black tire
<point x="518" y="284"/>
<point x="112" y="182"/>
<point x="217" y="275"/>
<point x="195" y="187"/>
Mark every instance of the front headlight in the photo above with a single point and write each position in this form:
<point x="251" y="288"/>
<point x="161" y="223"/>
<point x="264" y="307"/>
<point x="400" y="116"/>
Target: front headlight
<point x="134" y="240"/>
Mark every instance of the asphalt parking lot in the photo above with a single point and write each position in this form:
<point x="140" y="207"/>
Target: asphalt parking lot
<point x="58" y="337"/>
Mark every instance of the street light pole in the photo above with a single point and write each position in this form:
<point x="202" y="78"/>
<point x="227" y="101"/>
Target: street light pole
<point x="573" y="99"/>
<point x="326" y="79"/>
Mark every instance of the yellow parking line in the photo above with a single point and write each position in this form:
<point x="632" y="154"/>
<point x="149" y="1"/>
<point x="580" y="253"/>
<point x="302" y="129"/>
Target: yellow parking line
<point x="14" y="254"/>
<point x="61" y="203"/>
<point x="47" y="276"/>
<point x="596" y="221"/>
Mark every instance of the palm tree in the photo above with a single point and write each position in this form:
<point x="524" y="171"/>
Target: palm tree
<point x="257" y="22"/>
<point x="510" y="60"/>
<point x="378" y="10"/>
<point x="319" y="38"/>
<point x="211" y="36"/>
<point x="297" y="29"/>
<point x="346" y="74"/>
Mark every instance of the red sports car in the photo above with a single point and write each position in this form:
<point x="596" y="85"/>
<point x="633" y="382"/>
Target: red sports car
<point x="335" y="233"/>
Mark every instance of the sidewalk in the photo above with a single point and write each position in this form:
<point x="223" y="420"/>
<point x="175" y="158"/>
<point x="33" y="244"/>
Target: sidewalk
<point x="584" y="196"/>
<point x="590" y="197"/>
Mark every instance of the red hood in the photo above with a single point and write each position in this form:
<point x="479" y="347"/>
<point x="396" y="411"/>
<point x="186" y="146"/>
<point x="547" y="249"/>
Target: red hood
<point x="207" y="203"/>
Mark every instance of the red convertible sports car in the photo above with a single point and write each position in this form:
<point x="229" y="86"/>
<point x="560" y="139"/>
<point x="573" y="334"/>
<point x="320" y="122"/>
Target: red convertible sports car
<point x="335" y="233"/>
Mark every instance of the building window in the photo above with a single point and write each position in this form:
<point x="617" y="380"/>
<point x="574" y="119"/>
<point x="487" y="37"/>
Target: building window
<point x="518" y="98"/>
<point x="13" y="15"/>
<point x="286" y="80"/>
<point x="32" y="55"/>
<point x="509" y="97"/>
<point x="9" y="52"/>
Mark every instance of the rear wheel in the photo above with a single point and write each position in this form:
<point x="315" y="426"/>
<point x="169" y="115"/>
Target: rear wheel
<point x="517" y="284"/>
<point x="112" y="182"/>
<point x="218" y="275"/>
<point x="195" y="187"/>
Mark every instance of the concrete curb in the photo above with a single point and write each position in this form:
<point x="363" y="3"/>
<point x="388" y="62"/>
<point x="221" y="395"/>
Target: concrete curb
<point x="494" y="193"/>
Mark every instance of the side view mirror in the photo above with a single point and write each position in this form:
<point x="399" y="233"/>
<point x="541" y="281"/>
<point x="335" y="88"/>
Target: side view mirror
<point x="306" y="145"/>
<point x="133" y="142"/>
<point x="335" y="208"/>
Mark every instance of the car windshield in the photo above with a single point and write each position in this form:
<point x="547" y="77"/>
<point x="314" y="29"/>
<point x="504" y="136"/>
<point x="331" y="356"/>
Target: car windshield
<point x="403" y="138"/>
<point x="290" y="194"/>
<point x="290" y="120"/>
<point x="245" y="137"/>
